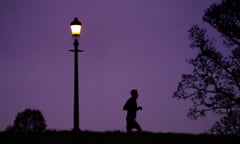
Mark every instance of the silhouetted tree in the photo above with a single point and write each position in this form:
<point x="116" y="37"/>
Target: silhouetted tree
<point x="29" y="120"/>
<point x="214" y="84"/>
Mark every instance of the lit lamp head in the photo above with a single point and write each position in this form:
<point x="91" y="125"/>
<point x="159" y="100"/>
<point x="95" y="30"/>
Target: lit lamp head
<point x="76" y="27"/>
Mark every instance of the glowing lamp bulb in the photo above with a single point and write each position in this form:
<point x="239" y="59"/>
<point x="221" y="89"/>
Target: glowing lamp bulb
<point x="76" y="27"/>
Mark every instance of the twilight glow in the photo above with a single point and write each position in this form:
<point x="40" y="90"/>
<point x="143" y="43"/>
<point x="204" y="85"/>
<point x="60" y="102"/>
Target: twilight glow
<point x="128" y="44"/>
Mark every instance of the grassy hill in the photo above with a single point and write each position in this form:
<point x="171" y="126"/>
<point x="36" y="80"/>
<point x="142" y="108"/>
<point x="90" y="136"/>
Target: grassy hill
<point x="87" y="137"/>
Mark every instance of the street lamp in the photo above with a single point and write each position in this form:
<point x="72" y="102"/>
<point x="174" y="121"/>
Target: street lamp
<point x="76" y="27"/>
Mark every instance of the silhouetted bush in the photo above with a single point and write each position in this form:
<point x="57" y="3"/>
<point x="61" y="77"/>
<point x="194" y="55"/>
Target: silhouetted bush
<point x="29" y="120"/>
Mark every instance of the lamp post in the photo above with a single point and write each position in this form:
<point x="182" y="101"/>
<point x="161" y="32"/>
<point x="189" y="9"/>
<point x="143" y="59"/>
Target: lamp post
<point x="76" y="26"/>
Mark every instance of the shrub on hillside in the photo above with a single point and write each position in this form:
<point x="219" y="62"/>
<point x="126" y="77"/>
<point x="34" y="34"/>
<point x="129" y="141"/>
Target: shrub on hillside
<point x="29" y="120"/>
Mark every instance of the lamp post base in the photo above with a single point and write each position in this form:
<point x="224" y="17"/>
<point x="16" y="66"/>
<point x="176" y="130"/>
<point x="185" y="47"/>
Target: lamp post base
<point x="76" y="130"/>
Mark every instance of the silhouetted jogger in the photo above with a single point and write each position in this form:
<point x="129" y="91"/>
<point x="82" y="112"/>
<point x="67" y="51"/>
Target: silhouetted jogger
<point x="131" y="107"/>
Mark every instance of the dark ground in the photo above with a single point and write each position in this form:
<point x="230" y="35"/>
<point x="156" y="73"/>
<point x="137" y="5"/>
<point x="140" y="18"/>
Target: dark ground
<point x="88" y="137"/>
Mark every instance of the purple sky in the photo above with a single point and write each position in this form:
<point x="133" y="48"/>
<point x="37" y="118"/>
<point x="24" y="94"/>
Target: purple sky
<point x="128" y="44"/>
